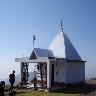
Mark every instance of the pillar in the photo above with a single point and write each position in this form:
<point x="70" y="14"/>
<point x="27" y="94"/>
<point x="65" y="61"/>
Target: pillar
<point x="24" y="73"/>
<point x="48" y="75"/>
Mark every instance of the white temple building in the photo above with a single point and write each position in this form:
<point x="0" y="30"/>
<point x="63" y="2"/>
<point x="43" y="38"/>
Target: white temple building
<point x="61" y="63"/>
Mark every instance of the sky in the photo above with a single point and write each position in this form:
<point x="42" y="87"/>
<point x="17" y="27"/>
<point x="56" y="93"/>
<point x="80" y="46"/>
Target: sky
<point x="21" y="19"/>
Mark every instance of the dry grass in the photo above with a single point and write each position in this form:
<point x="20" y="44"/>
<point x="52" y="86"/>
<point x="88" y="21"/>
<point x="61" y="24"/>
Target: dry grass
<point x="37" y="93"/>
<point x="88" y="89"/>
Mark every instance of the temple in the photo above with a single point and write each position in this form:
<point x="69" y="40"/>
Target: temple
<point x="59" y="64"/>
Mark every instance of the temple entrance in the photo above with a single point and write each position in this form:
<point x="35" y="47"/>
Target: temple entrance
<point x="40" y="74"/>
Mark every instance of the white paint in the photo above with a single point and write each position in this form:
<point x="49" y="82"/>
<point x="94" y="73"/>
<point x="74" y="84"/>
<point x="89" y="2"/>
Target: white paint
<point x="63" y="48"/>
<point x="75" y="72"/>
<point x="58" y="47"/>
<point x="69" y="72"/>
<point x="60" y="68"/>
<point x="48" y="75"/>
<point x="39" y="59"/>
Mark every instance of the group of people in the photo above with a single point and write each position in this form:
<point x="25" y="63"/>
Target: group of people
<point x="11" y="80"/>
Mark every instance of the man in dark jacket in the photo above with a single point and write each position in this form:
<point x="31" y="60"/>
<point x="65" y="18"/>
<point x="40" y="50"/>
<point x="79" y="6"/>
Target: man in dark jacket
<point x="12" y="80"/>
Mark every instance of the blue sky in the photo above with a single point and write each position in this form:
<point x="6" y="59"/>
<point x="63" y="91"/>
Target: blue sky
<point x="20" y="19"/>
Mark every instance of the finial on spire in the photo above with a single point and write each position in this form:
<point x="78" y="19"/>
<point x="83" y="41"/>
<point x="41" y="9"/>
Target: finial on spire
<point x="61" y="23"/>
<point x="61" y="26"/>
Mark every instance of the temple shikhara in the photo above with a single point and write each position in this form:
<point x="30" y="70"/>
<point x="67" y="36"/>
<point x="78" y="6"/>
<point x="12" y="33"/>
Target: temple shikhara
<point x="58" y="65"/>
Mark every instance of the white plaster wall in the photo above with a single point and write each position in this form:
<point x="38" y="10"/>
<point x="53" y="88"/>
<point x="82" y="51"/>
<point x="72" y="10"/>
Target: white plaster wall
<point x="48" y="74"/>
<point x="75" y="72"/>
<point x="61" y="68"/>
<point x="69" y="72"/>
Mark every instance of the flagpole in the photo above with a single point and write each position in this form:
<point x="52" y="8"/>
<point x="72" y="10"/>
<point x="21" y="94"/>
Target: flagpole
<point x="33" y="43"/>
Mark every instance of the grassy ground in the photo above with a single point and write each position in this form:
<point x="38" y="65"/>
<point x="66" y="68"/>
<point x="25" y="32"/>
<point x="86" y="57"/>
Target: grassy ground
<point x="37" y="93"/>
<point x="88" y="89"/>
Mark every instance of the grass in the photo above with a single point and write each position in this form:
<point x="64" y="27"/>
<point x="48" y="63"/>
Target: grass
<point x="37" y="93"/>
<point x="88" y="89"/>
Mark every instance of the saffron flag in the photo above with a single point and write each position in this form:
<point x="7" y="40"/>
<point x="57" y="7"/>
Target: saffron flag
<point x="34" y="37"/>
<point x="33" y="40"/>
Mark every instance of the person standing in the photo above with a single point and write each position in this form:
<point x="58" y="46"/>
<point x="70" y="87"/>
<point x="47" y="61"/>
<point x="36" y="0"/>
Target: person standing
<point x="2" y="86"/>
<point x="12" y="81"/>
